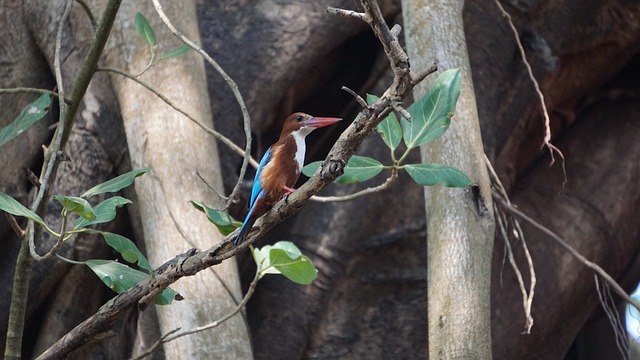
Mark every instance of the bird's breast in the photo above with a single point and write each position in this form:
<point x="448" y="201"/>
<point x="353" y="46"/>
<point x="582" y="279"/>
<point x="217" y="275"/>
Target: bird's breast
<point x="283" y="170"/>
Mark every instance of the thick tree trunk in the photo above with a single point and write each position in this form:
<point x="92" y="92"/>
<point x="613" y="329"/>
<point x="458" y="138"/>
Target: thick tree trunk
<point x="460" y="224"/>
<point x="176" y="150"/>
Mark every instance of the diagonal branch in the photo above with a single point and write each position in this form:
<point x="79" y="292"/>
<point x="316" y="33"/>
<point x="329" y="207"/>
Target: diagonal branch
<point x="192" y="262"/>
<point x="591" y="265"/>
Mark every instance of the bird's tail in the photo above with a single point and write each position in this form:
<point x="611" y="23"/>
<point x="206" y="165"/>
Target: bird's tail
<point x="244" y="230"/>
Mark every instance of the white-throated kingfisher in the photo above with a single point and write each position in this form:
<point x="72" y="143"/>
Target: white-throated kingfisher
<point x="280" y="167"/>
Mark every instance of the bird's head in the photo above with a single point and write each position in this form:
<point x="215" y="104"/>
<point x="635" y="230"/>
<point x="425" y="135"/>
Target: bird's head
<point x="305" y="123"/>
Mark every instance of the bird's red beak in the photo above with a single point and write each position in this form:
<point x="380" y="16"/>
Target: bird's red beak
<point x="318" y="122"/>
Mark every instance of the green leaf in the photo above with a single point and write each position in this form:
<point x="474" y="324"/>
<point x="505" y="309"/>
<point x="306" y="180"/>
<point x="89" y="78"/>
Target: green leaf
<point x="358" y="169"/>
<point x="175" y="52"/>
<point x="12" y="206"/>
<point x="285" y="258"/>
<point x="145" y="30"/>
<point x="431" y="115"/>
<point x="127" y="249"/>
<point x="389" y="128"/>
<point x="29" y="115"/>
<point x="119" y="278"/>
<point x="116" y="184"/>
<point x="310" y="169"/>
<point x="77" y="205"/>
<point x="105" y="212"/>
<point x="434" y="174"/>
<point x="225" y="223"/>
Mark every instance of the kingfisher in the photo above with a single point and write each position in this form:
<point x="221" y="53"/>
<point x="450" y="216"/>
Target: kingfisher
<point x="280" y="167"/>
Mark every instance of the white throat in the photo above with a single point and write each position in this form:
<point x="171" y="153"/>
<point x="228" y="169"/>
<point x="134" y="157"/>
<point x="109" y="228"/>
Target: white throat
<point x="300" y="146"/>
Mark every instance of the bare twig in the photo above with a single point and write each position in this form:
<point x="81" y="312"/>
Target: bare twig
<point x="87" y="10"/>
<point x="387" y="184"/>
<point x="358" y="98"/>
<point x="416" y="79"/>
<point x="14" y="225"/>
<point x="611" y="311"/>
<point x="547" y="121"/>
<point x="223" y="139"/>
<point x="172" y="334"/>
<point x="346" y="13"/>
<point x="55" y="247"/>
<point x="190" y="264"/>
<point x="591" y="265"/>
<point x="18" y="90"/>
<point x="232" y="85"/>
<point x="501" y="220"/>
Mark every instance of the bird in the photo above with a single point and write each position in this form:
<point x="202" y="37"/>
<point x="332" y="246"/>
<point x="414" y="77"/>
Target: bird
<point x="280" y="167"/>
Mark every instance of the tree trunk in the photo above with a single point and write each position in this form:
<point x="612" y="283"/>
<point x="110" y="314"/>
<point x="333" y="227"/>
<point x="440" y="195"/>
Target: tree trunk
<point x="176" y="149"/>
<point x="460" y="225"/>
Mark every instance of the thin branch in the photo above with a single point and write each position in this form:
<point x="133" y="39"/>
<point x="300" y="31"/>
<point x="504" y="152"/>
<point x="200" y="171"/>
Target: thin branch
<point x="56" y="246"/>
<point x="415" y="79"/>
<point x="501" y="220"/>
<point x="14" y="225"/>
<point x="189" y="264"/>
<point x="223" y="139"/>
<point x="87" y="10"/>
<point x="234" y="89"/>
<point x="611" y="311"/>
<point x="387" y="184"/>
<point x="19" y="295"/>
<point x="18" y="90"/>
<point x="346" y="13"/>
<point x="50" y="165"/>
<point x="169" y="337"/>
<point x="591" y="265"/>
<point x="358" y="98"/>
<point x="545" y="113"/>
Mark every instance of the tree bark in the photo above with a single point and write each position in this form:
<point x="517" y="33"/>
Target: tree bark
<point x="460" y="225"/>
<point x="176" y="149"/>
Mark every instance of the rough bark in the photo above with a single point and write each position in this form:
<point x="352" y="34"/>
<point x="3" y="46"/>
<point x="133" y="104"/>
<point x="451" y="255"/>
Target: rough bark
<point x="460" y="225"/>
<point x="176" y="150"/>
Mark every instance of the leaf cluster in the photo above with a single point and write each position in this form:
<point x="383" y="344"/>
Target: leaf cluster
<point x="117" y="276"/>
<point x="430" y="118"/>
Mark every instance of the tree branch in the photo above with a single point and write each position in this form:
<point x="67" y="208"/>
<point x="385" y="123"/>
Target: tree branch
<point x="190" y="264"/>
<point x="232" y="85"/>
<point x="595" y="267"/>
<point x="50" y="166"/>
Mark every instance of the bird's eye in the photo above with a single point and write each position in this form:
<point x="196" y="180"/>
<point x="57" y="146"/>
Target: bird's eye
<point x="298" y="118"/>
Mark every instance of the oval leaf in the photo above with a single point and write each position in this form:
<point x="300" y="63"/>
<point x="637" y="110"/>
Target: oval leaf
<point x="116" y="184"/>
<point x="299" y="270"/>
<point x="29" y="116"/>
<point x="127" y="249"/>
<point x="119" y="278"/>
<point x="285" y="258"/>
<point x="358" y="169"/>
<point x="389" y="128"/>
<point x="12" y="206"/>
<point x="177" y="51"/>
<point x="105" y="212"/>
<point x="431" y="115"/>
<point x="77" y="205"/>
<point x="223" y="221"/>
<point x="144" y="29"/>
<point x="434" y="174"/>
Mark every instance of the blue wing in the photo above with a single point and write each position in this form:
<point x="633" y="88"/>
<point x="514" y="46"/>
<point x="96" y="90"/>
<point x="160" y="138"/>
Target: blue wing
<point x="257" y="184"/>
